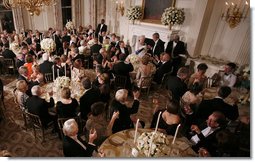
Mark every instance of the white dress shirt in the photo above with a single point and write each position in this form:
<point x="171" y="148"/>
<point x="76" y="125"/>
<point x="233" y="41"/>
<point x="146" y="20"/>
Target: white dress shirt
<point x="206" y="132"/>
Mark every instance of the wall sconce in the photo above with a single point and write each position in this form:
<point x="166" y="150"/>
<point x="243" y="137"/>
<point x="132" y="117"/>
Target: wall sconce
<point x="120" y="7"/>
<point x="233" y="13"/>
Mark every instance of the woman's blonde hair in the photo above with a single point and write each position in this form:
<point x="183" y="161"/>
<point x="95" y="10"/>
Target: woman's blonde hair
<point x="121" y="95"/>
<point x="65" y="93"/>
<point x="21" y="85"/>
<point x="70" y="128"/>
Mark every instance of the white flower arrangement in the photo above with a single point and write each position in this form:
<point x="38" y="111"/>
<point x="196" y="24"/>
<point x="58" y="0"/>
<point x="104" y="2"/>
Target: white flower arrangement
<point x="144" y="144"/>
<point x="70" y="25"/>
<point x="62" y="82"/>
<point x="134" y="13"/>
<point x="173" y="16"/>
<point x="134" y="60"/>
<point x="48" y="45"/>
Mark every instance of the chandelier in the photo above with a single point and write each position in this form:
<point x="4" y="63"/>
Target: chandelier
<point x="32" y="6"/>
<point x="234" y="13"/>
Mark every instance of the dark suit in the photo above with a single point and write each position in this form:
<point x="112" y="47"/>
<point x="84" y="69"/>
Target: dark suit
<point x="58" y="42"/>
<point x="123" y="69"/>
<point x="39" y="106"/>
<point x="125" y="49"/>
<point x="174" y="53"/>
<point x="46" y="67"/>
<point x="60" y="69"/>
<point x="176" y="86"/>
<point x="103" y="29"/>
<point x="8" y="54"/>
<point x="29" y="83"/>
<point x="95" y="49"/>
<point x="207" y="107"/>
<point x="163" y="69"/>
<point x="101" y="39"/>
<point x="66" y="38"/>
<point x="73" y="149"/>
<point x="61" y="51"/>
<point x="159" y="48"/>
<point x="89" y="97"/>
<point x="124" y="121"/>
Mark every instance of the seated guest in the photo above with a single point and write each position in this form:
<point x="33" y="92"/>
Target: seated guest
<point x="104" y="87"/>
<point x="29" y="63"/>
<point x="67" y="106"/>
<point x="65" y="63"/>
<point x="46" y="66"/>
<point x="158" y="46"/>
<point x="169" y="118"/>
<point x="101" y="58"/>
<point x="122" y="49"/>
<point x="199" y="76"/>
<point x="204" y="136"/>
<point x="227" y="78"/>
<point x="94" y="49"/>
<point x="176" y="84"/>
<point x="36" y="75"/>
<point x="119" y="105"/>
<point x="193" y="96"/>
<point x="58" y="69"/>
<point x="64" y="50"/>
<point x="141" y="46"/>
<point x="145" y="70"/>
<point x="38" y="106"/>
<point x="7" y="53"/>
<point x="20" y="93"/>
<point x="165" y="67"/>
<point x="97" y="120"/>
<point x="103" y="37"/>
<point x="123" y="69"/>
<point x="90" y="96"/>
<point x="218" y="104"/>
<point x="74" y="55"/>
<point x="73" y="145"/>
<point x="77" y="71"/>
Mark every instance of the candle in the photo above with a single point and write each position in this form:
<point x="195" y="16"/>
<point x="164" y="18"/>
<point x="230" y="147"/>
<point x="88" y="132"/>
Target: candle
<point x="226" y="9"/>
<point x="136" y="128"/>
<point x="65" y="69"/>
<point x="157" y="122"/>
<point x="152" y="137"/>
<point x="248" y="8"/>
<point x="58" y="72"/>
<point x="176" y="132"/>
<point x="53" y="73"/>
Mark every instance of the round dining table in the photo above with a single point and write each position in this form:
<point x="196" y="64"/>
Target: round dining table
<point x="121" y="145"/>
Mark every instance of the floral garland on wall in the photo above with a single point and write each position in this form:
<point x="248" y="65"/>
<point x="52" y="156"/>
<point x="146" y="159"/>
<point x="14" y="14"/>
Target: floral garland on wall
<point x="173" y="16"/>
<point x="134" y="13"/>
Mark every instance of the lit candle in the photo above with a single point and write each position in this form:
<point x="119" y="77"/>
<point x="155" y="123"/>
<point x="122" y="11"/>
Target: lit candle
<point x="136" y="128"/>
<point x="248" y="8"/>
<point x="58" y="72"/>
<point x="53" y="73"/>
<point x="176" y="132"/>
<point x="157" y="122"/>
<point x="65" y="69"/>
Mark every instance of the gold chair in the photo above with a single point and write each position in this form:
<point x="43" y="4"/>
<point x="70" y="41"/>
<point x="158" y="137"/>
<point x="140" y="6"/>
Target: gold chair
<point x="119" y="81"/>
<point x="48" y="77"/>
<point x="37" y="124"/>
<point x="9" y="65"/>
<point x="145" y="84"/>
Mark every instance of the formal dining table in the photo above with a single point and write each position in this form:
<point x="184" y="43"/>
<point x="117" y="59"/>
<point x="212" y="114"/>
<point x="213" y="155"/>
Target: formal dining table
<point x="121" y="144"/>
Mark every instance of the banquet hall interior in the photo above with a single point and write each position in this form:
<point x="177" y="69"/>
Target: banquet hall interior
<point x="125" y="78"/>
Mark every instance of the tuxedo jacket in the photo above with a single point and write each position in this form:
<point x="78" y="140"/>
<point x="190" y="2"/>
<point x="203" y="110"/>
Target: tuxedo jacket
<point x="29" y="83"/>
<point x="46" y="67"/>
<point x="66" y="38"/>
<point x="104" y="28"/>
<point x="176" y="86"/>
<point x="207" y="107"/>
<point x="159" y="48"/>
<point x="61" y="51"/>
<point x="89" y="97"/>
<point x="178" y="49"/>
<point x="39" y="106"/>
<point x="73" y="149"/>
<point x="8" y="54"/>
<point x="95" y="49"/>
<point x="125" y="49"/>
<point x="161" y="70"/>
<point x="101" y="39"/>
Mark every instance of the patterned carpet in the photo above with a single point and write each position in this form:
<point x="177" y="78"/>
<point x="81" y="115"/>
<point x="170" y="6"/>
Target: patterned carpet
<point x="22" y="143"/>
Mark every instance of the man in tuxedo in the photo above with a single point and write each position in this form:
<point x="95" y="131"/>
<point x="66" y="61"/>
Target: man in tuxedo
<point x="46" y="66"/>
<point x="176" y="84"/>
<point x="122" y="49"/>
<point x="58" y="41"/>
<point x="96" y="47"/>
<point x="101" y="28"/>
<point x="65" y="37"/>
<point x="158" y="47"/>
<point x="175" y="47"/>
<point x="7" y="53"/>
<point x="206" y="107"/>
<point x="38" y="106"/>
<point x="102" y="37"/>
<point x="90" y="96"/>
<point x="123" y="69"/>
<point x="204" y="135"/>
<point x="164" y="67"/>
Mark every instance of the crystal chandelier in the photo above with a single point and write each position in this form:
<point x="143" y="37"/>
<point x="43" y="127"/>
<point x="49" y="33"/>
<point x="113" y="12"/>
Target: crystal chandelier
<point x="32" y="6"/>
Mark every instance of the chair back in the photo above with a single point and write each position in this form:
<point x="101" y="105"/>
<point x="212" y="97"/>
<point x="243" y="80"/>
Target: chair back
<point x="164" y="78"/>
<point x="120" y="81"/>
<point x="9" y="63"/>
<point x="48" y="77"/>
<point x="35" y="119"/>
<point x="61" y="122"/>
<point x="145" y="82"/>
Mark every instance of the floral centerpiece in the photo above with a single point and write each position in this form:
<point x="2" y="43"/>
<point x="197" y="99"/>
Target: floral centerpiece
<point x="173" y="16"/>
<point x="159" y="142"/>
<point x="61" y="82"/>
<point x="70" y="25"/>
<point x="48" y="45"/>
<point x="134" y="13"/>
<point x="134" y="60"/>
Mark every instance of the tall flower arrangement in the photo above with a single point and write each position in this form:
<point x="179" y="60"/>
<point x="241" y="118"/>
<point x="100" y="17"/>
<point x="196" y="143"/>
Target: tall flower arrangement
<point x="173" y="16"/>
<point x="48" y="45"/>
<point x="134" y="13"/>
<point x="70" y="25"/>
